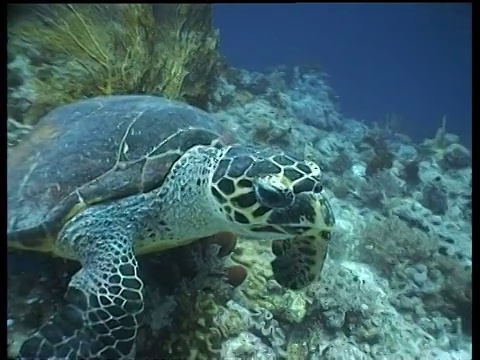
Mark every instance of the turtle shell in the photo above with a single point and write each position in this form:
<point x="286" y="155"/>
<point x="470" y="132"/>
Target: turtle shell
<point x="95" y="150"/>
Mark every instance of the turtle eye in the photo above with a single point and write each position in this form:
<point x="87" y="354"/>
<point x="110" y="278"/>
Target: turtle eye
<point x="272" y="196"/>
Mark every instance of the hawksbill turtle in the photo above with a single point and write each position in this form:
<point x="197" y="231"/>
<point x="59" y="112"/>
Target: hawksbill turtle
<point x="106" y="179"/>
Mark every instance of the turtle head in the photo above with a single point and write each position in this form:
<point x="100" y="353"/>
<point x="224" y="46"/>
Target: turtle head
<point x="267" y="194"/>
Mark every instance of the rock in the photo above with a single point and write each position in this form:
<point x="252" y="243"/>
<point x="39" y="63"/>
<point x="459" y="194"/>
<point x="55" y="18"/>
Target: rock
<point x="456" y="156"/>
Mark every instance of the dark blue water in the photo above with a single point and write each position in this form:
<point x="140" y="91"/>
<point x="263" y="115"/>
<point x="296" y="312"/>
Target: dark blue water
<point x="411" y="59"/>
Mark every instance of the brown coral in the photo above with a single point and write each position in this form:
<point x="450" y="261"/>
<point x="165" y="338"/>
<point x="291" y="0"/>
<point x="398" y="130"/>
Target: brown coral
<point x="83" y="50"/>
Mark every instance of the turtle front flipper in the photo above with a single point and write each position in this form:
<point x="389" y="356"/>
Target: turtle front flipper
<point x="299" y="261"/>
<point x="104" y="299"/>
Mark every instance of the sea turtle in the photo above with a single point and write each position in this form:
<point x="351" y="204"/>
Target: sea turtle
<point x="106" y="179"/>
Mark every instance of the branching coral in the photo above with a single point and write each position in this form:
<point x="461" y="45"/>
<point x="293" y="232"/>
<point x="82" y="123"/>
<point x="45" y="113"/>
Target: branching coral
<point x="382" y="158"/>
<point x="80" y="50"/>
<point x="188" y="51"/>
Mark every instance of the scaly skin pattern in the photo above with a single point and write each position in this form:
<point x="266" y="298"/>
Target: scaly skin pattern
<point x="208" y="190"/>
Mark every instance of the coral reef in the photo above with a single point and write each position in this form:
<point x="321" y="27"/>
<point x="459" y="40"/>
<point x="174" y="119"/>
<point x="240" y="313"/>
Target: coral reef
<point x="64" y="52"/>
<point x="456" y="156"/>
<point x="397" y="283"/>
<point x="435" y="197"/>
<point x="260" y="290"/>
<point x="382" y="157"/>
<point x="445" y="149"/>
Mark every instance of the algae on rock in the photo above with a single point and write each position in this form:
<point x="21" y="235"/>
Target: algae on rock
<point x="73" y="51"/>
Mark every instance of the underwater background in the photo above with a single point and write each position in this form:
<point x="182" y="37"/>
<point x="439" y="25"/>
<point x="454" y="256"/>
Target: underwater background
<point x="378" y="95"/>
<point x="413" y="60"/>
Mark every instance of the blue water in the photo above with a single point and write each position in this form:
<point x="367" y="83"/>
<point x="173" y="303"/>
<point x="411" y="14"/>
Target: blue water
<point x="411" y="59"/>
